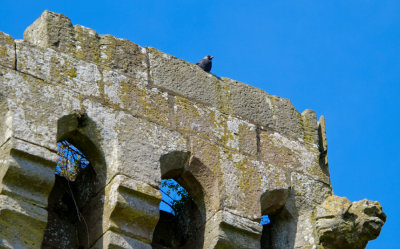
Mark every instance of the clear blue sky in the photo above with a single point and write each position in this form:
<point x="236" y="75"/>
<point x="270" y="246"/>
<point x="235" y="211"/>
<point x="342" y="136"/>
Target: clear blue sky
<point x="339" y="58"/>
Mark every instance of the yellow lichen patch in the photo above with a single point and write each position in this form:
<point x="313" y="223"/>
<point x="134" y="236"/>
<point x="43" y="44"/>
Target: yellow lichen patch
<point x="196" y="118"/>
<point x="273" y="101"/>
<point x="273" y="151"/>
<point x="154" y="106"/>
<point x="121" y="91"/>
<point x="249" y="182"/>
<point x="148" y="190"/>
<point x="186" y="106"/>
<point x="223" y="90"/>
<point x="3" y="51"/>
<point x="307" y="130"/>
<point x="107" y="48"/>
<point x="71" y="73"/>
<point x="250" y="179"/>
<point x="125" y="93"/>
<point x="86" y="45"/>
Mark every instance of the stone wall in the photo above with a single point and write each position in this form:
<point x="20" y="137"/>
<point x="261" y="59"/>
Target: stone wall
<point x="140" y="116"/>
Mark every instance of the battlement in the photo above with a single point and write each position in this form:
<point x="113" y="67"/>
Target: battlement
<point x="141" y="116"/>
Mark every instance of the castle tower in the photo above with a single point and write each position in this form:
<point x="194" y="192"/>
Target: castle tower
<point x="141" y="116"/>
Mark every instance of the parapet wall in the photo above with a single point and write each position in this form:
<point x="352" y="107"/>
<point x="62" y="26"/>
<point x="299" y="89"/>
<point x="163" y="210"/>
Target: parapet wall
<point x="141" y="116"/>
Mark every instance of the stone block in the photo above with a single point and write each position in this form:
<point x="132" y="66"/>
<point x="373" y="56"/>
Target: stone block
<point x="7" y="51"/>
<point x="86" y="44"/>
<point x="251" y="103"/>
<point x="310" y="126"/>
<point x="245" y="181"/>
<point x="22" y="224"/>
<point x="292" y="155"/>
<point x="307" y="193"/>
<point x="323" y="145"/>
<point x="263" y="109"/>
<point x="287" y="118"/>
<point x="27" y="171"/>
<point x="183" y="78"/>
<point x="35" y="106"/>
<point x="58" y="68"/>
<point x="141" y="101"/>
<point x="208" y="154"/>
<point x="227" y="230"/>
<point x="210" y="123"/>
<point x="125" y="57"/>
<point x="51" y="30"/>
<point x="132" y="207"/>
<point x="136" y="209"/>
<point x="126" y="207"/>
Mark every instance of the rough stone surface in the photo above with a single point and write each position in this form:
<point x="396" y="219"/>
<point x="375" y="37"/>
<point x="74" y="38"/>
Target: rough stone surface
<point x="7" y="51"/>
<point x="61" y="69"/>
<point x="140" y="116"/>
<point x="51" y="30"/>
<point x="342" y="224"/>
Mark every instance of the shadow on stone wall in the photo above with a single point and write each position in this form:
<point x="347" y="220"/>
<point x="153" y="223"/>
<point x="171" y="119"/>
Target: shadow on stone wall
<point x="65" y="229"/>
<point x="281" y="231"/>
<point x="185" y="230"/>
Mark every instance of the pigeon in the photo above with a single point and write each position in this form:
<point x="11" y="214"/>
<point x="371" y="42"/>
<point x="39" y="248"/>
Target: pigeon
<point x="206" y="63"/>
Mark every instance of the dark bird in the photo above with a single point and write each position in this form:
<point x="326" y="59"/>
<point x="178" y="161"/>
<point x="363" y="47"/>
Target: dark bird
<point x="206" y="63"/>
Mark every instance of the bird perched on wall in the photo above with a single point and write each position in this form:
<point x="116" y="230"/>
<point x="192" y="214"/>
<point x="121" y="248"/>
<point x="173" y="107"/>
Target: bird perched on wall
<point x="206" y="63"/>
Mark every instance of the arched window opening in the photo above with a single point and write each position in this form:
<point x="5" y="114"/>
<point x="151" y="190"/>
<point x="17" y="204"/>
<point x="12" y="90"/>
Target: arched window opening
<point x="180" y="219"/>
<point x="73" y="188"/>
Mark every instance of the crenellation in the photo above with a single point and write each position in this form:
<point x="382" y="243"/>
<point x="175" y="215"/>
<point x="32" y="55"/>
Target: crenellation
<point x="51" y="30"/>
<point x="141" y="116"/>
<point x="310" y="126"/>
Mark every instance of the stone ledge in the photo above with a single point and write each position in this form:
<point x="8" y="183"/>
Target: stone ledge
<point x="133" y="208"/>
<point x="27" y="171"/>
<point x="112" y="240"/>
<point x="226" y="230"/>
<point x="19" y="219"/>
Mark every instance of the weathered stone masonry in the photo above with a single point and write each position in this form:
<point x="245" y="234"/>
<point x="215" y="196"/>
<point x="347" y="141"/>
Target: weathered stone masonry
<point x="140" y="116"/>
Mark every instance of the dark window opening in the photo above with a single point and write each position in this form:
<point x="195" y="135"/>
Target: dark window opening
<point x="180" y="218"/>
<point x="266" y="241"/>
<point x="280" y="230"/>
<point x="73" y="188"/>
